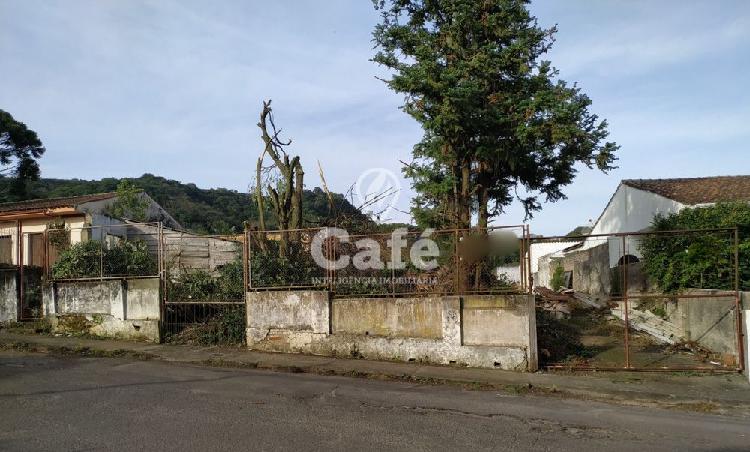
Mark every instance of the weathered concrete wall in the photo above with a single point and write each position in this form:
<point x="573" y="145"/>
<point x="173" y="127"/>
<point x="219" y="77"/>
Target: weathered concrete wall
<point x="709" y="321"/>
<point x="142" y="299"/>
<point x="589" y="268"/>
<point x="389" y="317"/>
<point x="486" y="331"/>
<point x="496" y="321"/>
<point x="123" y="308"/>
<point x="8" y="295"/>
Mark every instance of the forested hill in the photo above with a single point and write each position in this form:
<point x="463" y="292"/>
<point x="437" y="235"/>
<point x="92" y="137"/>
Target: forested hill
<point x="215" y="210"/>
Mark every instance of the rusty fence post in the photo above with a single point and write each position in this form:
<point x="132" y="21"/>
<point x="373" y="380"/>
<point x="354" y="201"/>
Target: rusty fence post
<point x="625" y="299"/>
<point x="737" y="301"/>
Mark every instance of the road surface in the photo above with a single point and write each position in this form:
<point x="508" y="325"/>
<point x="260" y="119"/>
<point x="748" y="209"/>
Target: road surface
<point x="74" y="403"/>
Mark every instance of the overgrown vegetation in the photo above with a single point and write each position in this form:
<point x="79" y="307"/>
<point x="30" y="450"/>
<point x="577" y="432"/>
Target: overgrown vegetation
<point x="220" y="324"/>
<point x="91" y="258"/>
<point x="557" y="339"/>
<point x="558" y="278"/>
<point x="225" y="328"/>
<point x="698" y="260"/>
<point x="200" y="285"/>
<point x="130" y="203"/>
<point x="295" y="268"/>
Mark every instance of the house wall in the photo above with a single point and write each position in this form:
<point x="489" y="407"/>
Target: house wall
<point x="512" y="272"/>
<point x="39" y="225"/>
<point x="541" y="249"/>
<point x="629" y="210"/>
<point x="8" y="295"/>
<point x="126" y="308"/>
<point x="478" y="331"/>
<point x="589" y="267"/>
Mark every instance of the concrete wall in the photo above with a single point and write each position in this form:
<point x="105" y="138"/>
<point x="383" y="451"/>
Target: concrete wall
<point x="478" y="331"/>
<point x="709" y="321"/>
<point x="123" y="308"/>
<point x="589" y="267"/>
<point x="542" y="249"/>
<point x="8" y="295"/>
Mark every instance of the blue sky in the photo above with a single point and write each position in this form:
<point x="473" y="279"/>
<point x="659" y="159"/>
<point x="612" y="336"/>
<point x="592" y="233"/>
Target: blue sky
<point x="174" y="88"/>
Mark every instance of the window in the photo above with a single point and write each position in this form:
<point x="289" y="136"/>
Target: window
<point x="36" y="249"/>
<point x="6" y="249"/>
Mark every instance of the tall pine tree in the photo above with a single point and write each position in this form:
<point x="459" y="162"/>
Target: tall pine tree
<point x="495" y="116"/>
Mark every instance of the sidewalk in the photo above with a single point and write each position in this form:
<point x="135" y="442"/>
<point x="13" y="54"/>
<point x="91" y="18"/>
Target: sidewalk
<point x="722" y="394"/>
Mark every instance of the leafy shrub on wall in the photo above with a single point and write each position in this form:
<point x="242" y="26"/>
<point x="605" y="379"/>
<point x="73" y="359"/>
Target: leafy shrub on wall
<point x="200" y="285"/>
<point x="91" y="259"/>
<point x="699" y="260"/>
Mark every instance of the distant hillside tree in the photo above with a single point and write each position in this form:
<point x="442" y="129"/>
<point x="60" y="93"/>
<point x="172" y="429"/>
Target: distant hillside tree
<point x="20" y="148"/>
<point x="211" y="211"/>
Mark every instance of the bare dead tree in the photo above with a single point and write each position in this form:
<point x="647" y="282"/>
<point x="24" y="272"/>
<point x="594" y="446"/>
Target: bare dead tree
<point x="286" y="195"/>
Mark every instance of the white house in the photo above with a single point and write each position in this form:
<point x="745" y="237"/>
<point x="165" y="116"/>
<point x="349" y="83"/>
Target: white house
<point x="636" y="202"/>
<point x="631" y="208"/>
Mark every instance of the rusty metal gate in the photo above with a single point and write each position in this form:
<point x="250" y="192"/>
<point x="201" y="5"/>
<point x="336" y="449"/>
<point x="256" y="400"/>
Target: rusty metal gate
<point x="203" y="281"/>
<point x="656" y="301"/>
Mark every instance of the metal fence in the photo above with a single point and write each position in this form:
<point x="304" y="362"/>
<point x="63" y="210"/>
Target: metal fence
<point x="114" y="251"/>
<point x="665" y="300"/>
<point x="204" y="287"/>
<point x="400" y="263"/>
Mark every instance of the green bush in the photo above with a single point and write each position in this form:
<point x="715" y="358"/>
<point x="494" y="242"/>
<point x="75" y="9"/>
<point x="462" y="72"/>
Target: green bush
<point x="90" y="259"/>
<point x="296" y="269"/>
<point x="698" y="259"/>
<point x="558" y="278"/>
<point x="198" y="285"/>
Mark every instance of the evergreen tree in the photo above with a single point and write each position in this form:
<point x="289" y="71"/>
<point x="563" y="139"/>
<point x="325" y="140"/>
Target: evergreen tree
<point x="495" y="116"/>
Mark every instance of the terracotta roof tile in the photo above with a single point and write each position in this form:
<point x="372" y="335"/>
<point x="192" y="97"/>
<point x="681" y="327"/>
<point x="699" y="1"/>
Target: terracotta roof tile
<point x="51" y="203"/>
<point x="698" y="190"/>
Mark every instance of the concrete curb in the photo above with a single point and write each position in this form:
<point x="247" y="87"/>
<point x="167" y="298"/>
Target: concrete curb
<point x="721" y="394"/>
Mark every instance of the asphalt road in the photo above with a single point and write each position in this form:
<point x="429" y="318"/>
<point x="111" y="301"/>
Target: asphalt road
<point x="69" y="403"/>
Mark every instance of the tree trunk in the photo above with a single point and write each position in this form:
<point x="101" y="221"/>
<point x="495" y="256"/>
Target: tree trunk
<point x="259" y="195"/>
<point x="299" y="176"/>
<point x="483" y="220"/>
<point x="465" y="201"/>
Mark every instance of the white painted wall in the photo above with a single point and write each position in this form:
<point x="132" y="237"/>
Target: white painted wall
<point x="630" y="210"/>
<point x="541" y="249"/>
<point x="512" y="272"/>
